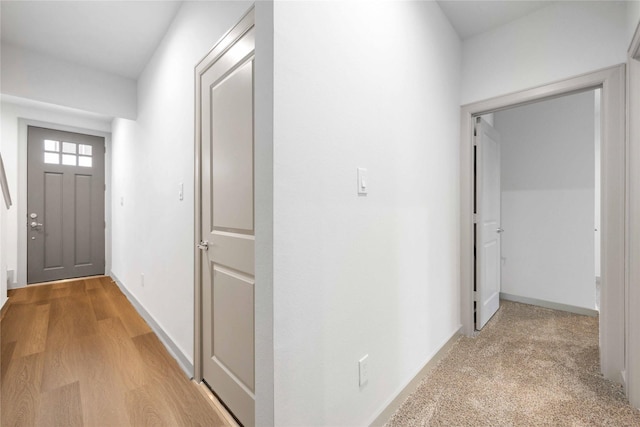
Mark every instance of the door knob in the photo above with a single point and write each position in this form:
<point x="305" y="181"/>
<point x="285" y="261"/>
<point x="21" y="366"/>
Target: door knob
<point x="203" y="245"/>
<point x="35" y="224"/>
<point x="499" y="230"/>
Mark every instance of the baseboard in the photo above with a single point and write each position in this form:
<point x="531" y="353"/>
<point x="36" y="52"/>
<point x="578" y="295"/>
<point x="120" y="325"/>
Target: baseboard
<point x="14" y="285"/>
<point x="5" y="307"/>
<point x="10" y="279"/>
<point x="395" y="402"/>
<point x="548" y="304"/>
<point x="171" y="346"/>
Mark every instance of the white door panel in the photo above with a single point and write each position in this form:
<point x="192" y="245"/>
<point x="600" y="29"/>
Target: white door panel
<point x="232" y="150"/>
<point x="233" y="323"/>
<point x="488" y="224"/>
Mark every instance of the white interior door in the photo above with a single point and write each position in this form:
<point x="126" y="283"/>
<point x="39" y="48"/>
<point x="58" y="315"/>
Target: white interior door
<point x="488" y="230"/>
<point x="225" y="108"/>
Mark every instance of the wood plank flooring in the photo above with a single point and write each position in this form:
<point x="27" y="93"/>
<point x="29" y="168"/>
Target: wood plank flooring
<point x="78" y="354"/>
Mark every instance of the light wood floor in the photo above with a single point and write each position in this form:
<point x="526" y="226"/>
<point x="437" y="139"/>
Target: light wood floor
<point x="77" y="353"/>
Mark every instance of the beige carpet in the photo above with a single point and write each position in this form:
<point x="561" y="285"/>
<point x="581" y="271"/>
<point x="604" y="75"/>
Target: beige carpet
<point x="529" y="366"/>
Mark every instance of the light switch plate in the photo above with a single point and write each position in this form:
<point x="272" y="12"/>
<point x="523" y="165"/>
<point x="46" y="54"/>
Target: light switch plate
<point x="363" y="370"/>
<point x="363" y="181"/>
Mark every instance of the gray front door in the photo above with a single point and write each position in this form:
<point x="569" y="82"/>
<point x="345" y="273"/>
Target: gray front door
<point x="65" y="205"/>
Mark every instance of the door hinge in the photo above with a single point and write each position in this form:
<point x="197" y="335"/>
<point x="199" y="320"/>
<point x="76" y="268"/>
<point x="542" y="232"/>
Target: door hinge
<point x="475" y="295"/>
<point x="475" y="218"/>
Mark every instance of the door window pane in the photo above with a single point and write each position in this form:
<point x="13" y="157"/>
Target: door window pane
<point x="68" y="147"/>
<point x="51" y="145"/>
<point x="69" y="159"/>
<point x="84" y="161"/>
<point x="84" y="149"/>
<point x="52" y="158"/>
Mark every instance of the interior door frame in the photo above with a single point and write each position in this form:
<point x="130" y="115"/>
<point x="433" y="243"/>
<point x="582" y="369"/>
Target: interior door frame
<point x="632" y="384"/>
<point x="613" y="208"/>
<point x="21" y="205"/>
<point x="228" y="39"/>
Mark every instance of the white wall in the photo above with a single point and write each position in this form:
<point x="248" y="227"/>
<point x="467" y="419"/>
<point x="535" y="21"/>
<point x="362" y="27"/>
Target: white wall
<point x="152" y="229"/>
<point x="35" y="76"/>
<point x="11" y="110"/>
<point x="371" y="85"/>
<point x="548" y="184"/>
<point x="562" y="40"/>
<point x="633" y="17"/>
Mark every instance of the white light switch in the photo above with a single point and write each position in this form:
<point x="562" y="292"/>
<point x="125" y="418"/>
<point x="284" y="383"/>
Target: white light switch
<point x="363" y="181"/>
<point x="363" y="370"/>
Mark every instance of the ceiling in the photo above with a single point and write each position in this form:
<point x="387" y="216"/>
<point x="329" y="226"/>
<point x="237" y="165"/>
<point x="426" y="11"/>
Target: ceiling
<point x="120" y="36"/>
<point x="470" y="18"/>
<point x="114" y="36"/>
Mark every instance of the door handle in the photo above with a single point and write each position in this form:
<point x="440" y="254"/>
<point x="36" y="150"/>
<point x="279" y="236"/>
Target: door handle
<point x="35" y="224"/>
<point x="499" y="230"/>
<point x="203" y="245"/>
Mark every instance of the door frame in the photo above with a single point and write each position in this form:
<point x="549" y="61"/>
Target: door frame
<point x="21" y="205"/>
<point x="220" y="47"/>
<point x="632" y="384"/>
<point x="612" y="319"/>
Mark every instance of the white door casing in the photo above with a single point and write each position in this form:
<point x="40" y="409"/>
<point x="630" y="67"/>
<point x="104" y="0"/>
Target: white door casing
<point x="488" y="225"/>
<point x="633" y="286"/>
<point x="225" y="227"/>
<point x="613" y="175"/>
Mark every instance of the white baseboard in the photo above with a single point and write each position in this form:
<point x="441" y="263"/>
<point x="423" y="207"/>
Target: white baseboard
<point x="12" y="283"/>
<point x="548" y="304"/>
<point x="171" y="346"/>
<point x="401" y="395"/>
<point x="4" y="305"/>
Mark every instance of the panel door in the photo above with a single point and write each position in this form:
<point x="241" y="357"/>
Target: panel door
<point x="65" y="205"/>
<point x="227" y="222"/>
<point x="488" y="223"/>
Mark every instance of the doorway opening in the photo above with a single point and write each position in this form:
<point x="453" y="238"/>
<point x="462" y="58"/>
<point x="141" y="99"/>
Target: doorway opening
<point x="538" y="206"/>
<point x="612" y="229"/>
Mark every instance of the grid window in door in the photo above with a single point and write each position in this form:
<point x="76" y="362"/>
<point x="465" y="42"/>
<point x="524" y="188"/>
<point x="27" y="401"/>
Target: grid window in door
<point x="72" y="154"/>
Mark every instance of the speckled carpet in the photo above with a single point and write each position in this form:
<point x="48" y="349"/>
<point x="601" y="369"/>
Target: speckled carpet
<point x="529" y="366"/>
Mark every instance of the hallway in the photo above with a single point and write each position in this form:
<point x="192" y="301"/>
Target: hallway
<point x="356" y="185"/>
<point x="77" y="353"/>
